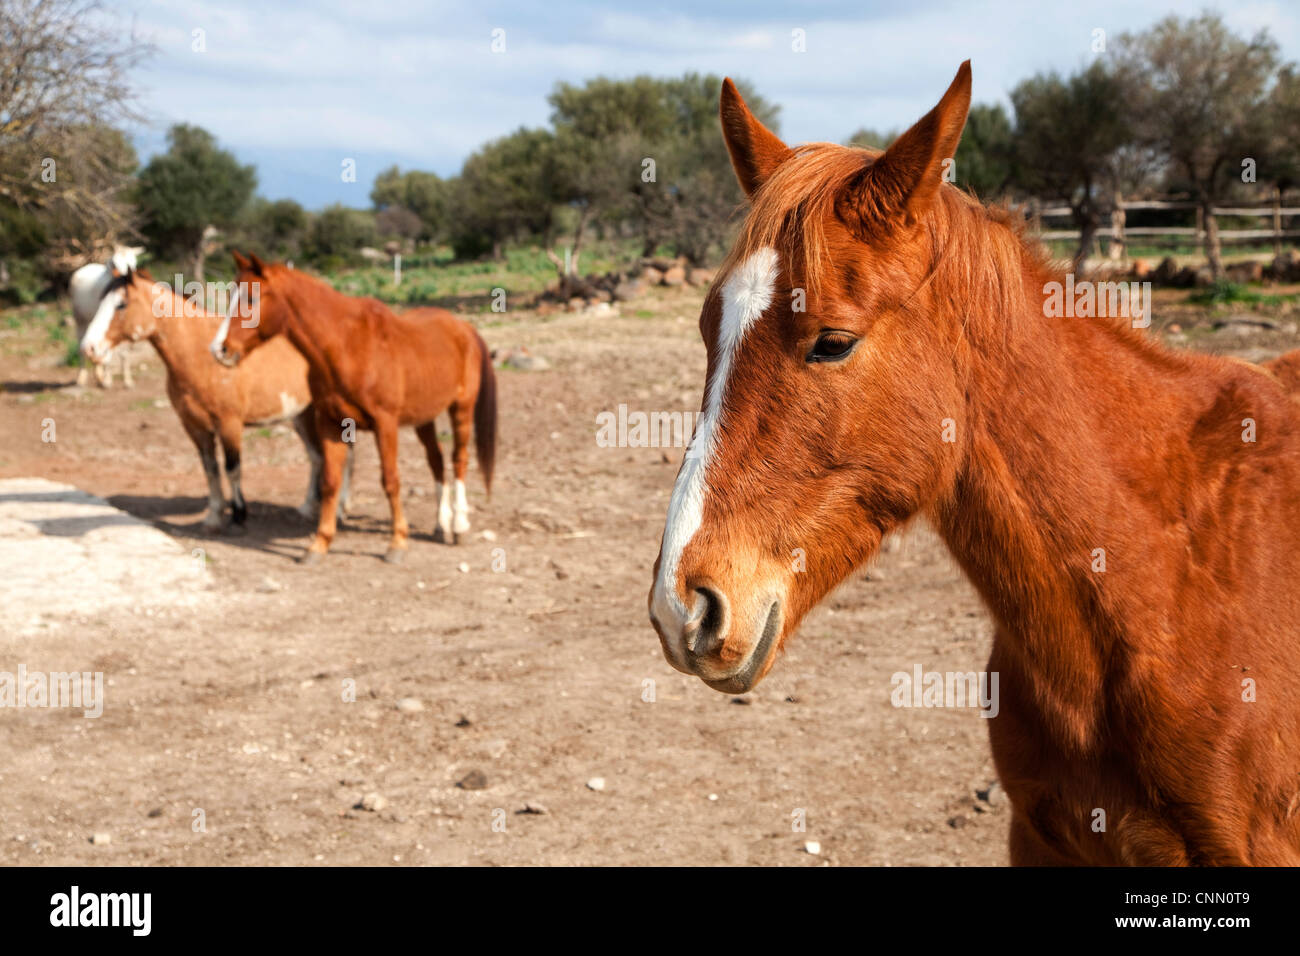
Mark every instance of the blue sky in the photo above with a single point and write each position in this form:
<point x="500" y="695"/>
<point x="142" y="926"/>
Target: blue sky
<point x="296" y="88"/>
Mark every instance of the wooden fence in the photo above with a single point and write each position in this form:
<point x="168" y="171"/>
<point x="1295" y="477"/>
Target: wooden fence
<point x="1119" y="232"/>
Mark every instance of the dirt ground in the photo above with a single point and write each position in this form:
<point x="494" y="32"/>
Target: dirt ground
<point x="521" y="689"/>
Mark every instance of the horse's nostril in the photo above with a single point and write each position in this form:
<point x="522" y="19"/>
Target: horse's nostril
<point x="708" y="627"/>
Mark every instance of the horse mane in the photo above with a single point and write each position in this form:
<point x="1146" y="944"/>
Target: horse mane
<point x="981" y="253"/>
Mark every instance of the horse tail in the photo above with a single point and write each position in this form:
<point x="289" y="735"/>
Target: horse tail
<point x="485" y="413"/>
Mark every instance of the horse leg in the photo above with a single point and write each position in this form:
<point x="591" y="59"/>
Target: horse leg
<point x="83" y="373"/>
<point x="206" y="443"/>
<point x="305" y="425"/>
<point x="345" y="499"/>
<point x="127" y="381"/>
<point x="232" y="436"/>
<point x="428" y="435"/>
<point x="386" y="441"/>
<point x="334" y="452"/>
<point x="103" y="374"/>
<point x="462" y="417"/>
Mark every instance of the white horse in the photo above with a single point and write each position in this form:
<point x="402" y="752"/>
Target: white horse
<point x="87" y="288"/>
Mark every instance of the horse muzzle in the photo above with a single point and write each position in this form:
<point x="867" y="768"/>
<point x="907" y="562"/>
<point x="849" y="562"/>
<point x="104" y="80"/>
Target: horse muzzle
<point x="730" y="653"/>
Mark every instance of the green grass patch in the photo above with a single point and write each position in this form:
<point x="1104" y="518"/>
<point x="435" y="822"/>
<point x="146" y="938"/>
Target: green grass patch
<point x="1230" y="293"/>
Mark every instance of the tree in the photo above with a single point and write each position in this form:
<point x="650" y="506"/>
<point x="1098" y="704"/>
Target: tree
<point x="1068" y="133"/>
<point x="984" y="155"/>
<point x="872" y="138"/>
<point x="1201" y="99"/>
<point x="505" y="189"/>
<point x="190" y="187"/>
<point x="63" y="86"/>
<point x="423" y="194"/>
<point x="274" y="229"/>
<point x="341" y="232"/>
<point x="647" y="151"/>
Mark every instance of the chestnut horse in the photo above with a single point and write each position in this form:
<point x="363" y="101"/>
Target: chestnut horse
<point x="212" y="402"/>
<point x="373" y="370"/>
<point x="879" y="348"/>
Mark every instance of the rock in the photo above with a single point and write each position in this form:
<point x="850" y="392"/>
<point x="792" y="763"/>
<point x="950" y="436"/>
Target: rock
<point x="1286" y="266"/>
<point x="628" y="289"/>
<point x="410" y="705"/>
<point x="1245" y="271"/>
<point x="1142" y="268"/>
<point x="474" y="780"/>
<point x="463" y="567"/>
<point x="534" y="808"/>
<point x="699" y="276"/>
<point x="675" y="276"/>
<point x="269" y="585"/>
<point x="522" y="359"/>
<point x="488" y="535"/>
<point x="813" y="847"/>
<point x="993" y="796"/>
<point x="156" y="812"/>
<point x="741" y="700"/>
<point x="373" y="802"/>
<point x="101" y="839"/>
<point x="596" y="783"/>
<point x="463" y="722"/>
<point x="1166" y="272"/>
<point x="651" y="276"/>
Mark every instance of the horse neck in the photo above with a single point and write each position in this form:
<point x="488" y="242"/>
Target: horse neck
<point x="181" y="335"/>
<point x="318" y="321"/>
<point x="1050" y="469"/>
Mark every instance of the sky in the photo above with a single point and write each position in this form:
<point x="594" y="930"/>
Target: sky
<point x="299" y="88"/>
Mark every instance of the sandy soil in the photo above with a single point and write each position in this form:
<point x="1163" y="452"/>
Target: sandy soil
<point x="518" y="687"/>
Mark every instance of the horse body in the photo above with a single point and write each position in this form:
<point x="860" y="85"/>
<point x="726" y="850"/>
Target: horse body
<point x="879" y="349"/>
<point x="375" y="371"/>
<point x="213" y="403"/>
<point x="1122" y="689"/>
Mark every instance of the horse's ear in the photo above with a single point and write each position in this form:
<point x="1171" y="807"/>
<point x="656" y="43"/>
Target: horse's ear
<point x="755" y="150"/>
<point x="907" y="176"/>
<point x="241" y="263"/>
<point x="258" y="266"/>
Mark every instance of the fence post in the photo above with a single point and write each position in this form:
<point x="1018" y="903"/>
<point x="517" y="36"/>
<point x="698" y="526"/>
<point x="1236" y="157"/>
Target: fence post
<point x="1277" y="222"/>
<point x="1118" y="248"/>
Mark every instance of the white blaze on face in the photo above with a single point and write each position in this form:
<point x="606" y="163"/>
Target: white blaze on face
<point x="746" y="295"/>
<point x="218" y="346"/>
<point x="93" y="345"/>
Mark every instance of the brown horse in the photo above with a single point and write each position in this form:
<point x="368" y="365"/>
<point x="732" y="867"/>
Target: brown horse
<point x="1286" y="368"/>
<point x="373" y="370"/>
<point x="212" y="402"/>
<point x="879" y="347"/>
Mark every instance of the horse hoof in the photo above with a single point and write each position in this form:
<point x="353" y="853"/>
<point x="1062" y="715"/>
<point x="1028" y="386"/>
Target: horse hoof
<point x="237" y="530"/>
<point x="439" y="536"/>
<point x="309" y="558"/>
<point x="455" y="537"/>
<point x="395" y="556"/>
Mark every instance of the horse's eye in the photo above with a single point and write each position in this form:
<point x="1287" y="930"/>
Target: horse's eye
<point x="831" y="347"/>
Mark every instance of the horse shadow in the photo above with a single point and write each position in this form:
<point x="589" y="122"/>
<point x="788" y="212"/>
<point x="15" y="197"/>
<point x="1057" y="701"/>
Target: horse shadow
<point x="269" y="528"/>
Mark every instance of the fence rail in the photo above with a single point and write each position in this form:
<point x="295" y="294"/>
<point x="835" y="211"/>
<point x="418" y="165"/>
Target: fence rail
<point x="1119" y="232"/>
